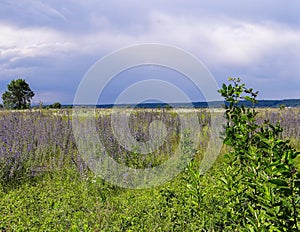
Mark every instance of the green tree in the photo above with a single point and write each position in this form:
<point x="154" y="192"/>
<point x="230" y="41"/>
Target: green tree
<point x="18" y="95"/>
<point x="56" y="105"/>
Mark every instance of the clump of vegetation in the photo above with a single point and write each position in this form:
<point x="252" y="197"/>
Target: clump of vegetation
<point x="55" y="105"/>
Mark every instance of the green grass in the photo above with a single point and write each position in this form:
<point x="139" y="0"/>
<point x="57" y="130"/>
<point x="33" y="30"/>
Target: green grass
<point x="65" y="200"/>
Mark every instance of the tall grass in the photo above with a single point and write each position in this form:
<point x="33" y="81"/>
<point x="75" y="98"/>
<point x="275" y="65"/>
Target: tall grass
<point x="46" y="184"/>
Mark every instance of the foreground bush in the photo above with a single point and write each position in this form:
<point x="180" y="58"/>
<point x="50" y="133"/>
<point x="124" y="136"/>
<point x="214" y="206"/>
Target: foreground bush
<point x="262" y="183"/>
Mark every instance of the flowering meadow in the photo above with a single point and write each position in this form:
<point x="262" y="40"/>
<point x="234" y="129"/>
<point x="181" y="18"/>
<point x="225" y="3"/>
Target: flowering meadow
<point x="46" y="185"/>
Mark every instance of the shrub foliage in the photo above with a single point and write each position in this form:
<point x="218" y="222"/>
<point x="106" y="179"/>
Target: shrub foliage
<point x="261" y="178"/>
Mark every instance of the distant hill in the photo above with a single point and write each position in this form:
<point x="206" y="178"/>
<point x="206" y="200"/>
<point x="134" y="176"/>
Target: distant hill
<point x="217" y="104"/>
<point x="276" y="103"/>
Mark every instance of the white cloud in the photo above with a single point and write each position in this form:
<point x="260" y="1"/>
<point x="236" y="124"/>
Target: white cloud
<point x="30" y="42"/>
<point x="221" y="42"/>
<point x="92" y="30"/>
<point x="224" y="42"/>
<point x="34" y="11"/>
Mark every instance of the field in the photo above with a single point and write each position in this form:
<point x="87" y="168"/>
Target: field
<point x="46" y="183"/>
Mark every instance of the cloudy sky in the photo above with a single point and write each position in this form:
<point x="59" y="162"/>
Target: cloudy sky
<point x="52" y="44"/>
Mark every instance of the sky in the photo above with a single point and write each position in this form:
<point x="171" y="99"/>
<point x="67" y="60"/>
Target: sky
<point x="52" y="44"/>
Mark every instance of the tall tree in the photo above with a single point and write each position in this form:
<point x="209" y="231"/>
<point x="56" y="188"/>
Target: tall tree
<point x="18" y="95"/>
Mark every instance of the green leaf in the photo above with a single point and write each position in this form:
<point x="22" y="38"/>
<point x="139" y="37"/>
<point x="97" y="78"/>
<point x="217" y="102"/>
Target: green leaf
<point x="247" y="98"/>
<point x="224" y="86"/>
<point x="278" y="182"/>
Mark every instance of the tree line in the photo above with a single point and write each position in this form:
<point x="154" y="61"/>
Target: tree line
<point x="19" y="95"/>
